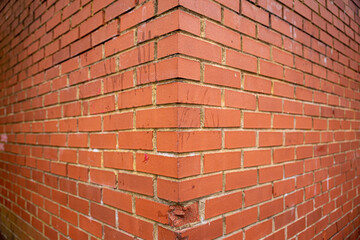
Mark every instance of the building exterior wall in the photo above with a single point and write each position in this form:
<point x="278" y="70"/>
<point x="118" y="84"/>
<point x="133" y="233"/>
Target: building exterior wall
<point x="180" y="119"/>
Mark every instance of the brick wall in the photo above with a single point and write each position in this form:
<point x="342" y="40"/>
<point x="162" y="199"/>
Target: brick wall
<point x="180" y="119"/>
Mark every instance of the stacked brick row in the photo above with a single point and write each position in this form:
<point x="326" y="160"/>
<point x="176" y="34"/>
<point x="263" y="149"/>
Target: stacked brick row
<point x="180" y="119"/>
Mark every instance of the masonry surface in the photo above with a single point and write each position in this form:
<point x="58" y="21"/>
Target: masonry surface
<point x="180" y="119"/>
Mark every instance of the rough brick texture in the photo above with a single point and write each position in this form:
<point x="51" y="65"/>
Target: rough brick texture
<point x="180" y="119"/>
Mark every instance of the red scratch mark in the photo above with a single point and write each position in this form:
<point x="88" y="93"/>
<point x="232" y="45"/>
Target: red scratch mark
<point x="146" y="158"/>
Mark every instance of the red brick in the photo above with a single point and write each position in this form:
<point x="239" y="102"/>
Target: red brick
<point x="136" y="183"/>
<point x="167" y="69"/>
<point x="283" y="187"/>
<point x="179" y="92"/>
<point x="216" y="32"/>
<point x="119" y="43"/>
<point x="111" y="234"/>
<point x="89" y="124"/>
<point x="270" y="174"/>
<point x="241" y="61"/>
<point x="222" y="118"/>
<point x="117" y="199"/>
<point x="269" y="36"/>
<point x="103" y="68"/>
<point x="90" y="89"/>
<point x="255" y="48"/>
<point x="116" y="9"/>
<point x="284" y="218"/>
<point x="296" y="227"/>
<point x="90" y="225"/>
<point x="204" y="7"/>
<point x="118" y="82"/>
<point x="239" y="139"/>
<point x="258" y="195"/>
<point x="256" y="84"/>
<point x="222" y="76"/>
<point x="223" y="204"/>
<point x="254" y="12"/>
<point x="174" y="21"/>
<point x="235" y="180"/>
<point x="136" y="56"/>
<point x="267" y="139"/>
<point x="135" y="98"/>
<point x="256" y="157"/>
<point x="257" y="120"/>
<point x="137" y="16"/>
<point x="239" y="23"/>
<point x="119" y="121"/>
<point x="188" y="141"/>
<point x="136" y="140"/>
<point x="259" y="230"/>
<point x="102" y="105"/>
<point x="282" y="57"/>
<point x="104" y="33"/>
<point x="281" y="26"/>
<point x="210" y="230"/>
<point x="102" y="177"/>
<point x="103" y="140"/>
<point x="118" y="160"/>
<point x="221" y="161"/>
<point x="240" y="100"/>
<point x="91" y="23"/>
<point x="179" y="43"/>
<point x="80" y="46"/>
<point x="241" y="219"/>
<point x="89" y="192"/>
<point x="103" y="214"/>
<point x="168" y="118"/>
<point x="152" y="210"/>
<point x="176" y="167"/>
<point x="189" y="189"/>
